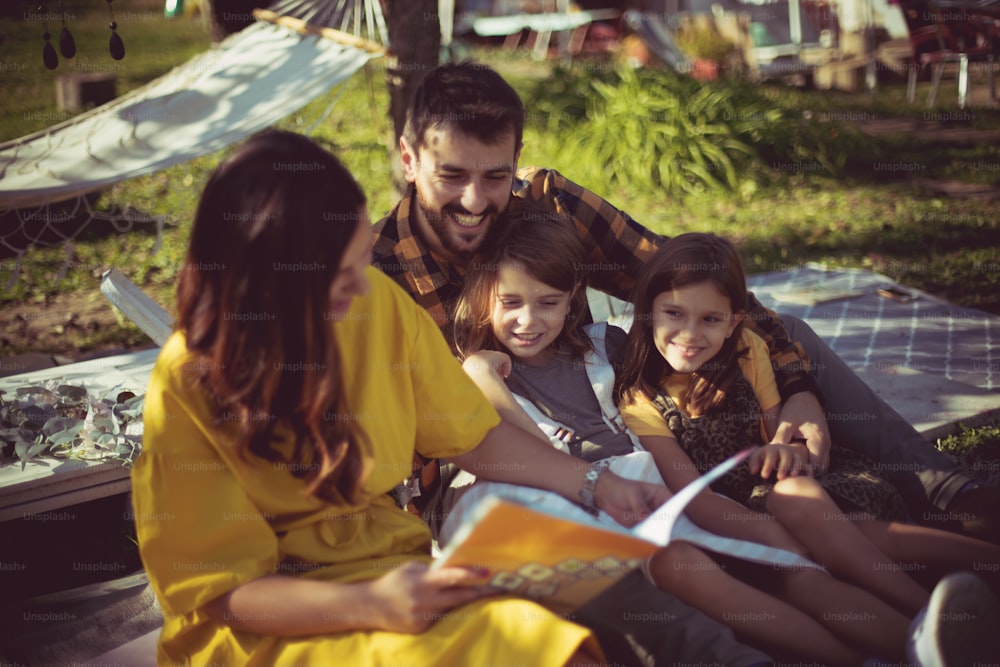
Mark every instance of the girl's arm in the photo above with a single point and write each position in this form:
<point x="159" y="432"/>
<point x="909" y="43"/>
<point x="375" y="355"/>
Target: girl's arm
<point x="488" y="369"/>
<point x="802" y="417"/>
<point x="771" y="418"/>
<point x="508" y="454"/>
<point x="712" y="511"/>
<point x="407" y="599"/>
<point x="797" y="416"/>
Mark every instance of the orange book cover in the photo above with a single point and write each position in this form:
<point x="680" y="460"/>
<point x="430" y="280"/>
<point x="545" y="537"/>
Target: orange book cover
<point x="559" y="562"/>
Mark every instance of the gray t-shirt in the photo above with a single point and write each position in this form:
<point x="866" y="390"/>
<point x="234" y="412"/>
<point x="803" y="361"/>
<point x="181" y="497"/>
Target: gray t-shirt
<point x="564" y="388"/>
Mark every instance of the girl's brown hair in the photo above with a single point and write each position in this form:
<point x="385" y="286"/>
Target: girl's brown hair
<point x="268" y="238"/>
<point x="684" y="260"/>
<point x="544" y="244"/>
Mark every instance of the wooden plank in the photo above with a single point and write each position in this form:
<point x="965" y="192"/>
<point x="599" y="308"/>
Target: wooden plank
<point x="298" y="25"/>
<point x="40" y="508"/>
<point x="48" y="484"/>
<point x="136" y="305"/>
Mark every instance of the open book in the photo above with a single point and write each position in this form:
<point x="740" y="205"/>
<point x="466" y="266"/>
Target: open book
<point x="559" y="561"/>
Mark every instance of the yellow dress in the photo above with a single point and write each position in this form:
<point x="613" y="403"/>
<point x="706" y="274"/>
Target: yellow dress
<point x="208" y="521"/>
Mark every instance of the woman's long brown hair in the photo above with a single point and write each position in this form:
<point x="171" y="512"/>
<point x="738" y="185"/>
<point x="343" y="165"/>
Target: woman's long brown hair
<point x="548" y="248"/>
<point x="267" y="242"/>
<point x="684" y="260"/>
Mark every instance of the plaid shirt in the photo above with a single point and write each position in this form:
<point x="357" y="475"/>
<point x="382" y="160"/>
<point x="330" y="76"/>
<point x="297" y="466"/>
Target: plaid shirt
<point x="616" y="246"/>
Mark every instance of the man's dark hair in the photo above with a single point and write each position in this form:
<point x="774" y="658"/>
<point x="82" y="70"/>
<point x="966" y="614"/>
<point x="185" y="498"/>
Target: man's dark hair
<point x="469" y="96"/>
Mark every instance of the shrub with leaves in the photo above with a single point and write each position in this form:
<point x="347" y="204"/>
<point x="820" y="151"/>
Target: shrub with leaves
<point x="657" y="129"/>
<point x="651" y="129"/>
<point x="66" y="421"/>
<point x="704" y="41"/>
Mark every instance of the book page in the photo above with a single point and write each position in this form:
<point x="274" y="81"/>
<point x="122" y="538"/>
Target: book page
<point x="658" y="526"/>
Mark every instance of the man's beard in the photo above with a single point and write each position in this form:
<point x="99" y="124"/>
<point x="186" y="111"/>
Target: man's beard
<point x="446" y="230"/>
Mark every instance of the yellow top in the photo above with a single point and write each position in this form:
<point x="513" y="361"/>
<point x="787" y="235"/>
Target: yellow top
<point x="644" y="419"/>
<point x="208" y="522"/>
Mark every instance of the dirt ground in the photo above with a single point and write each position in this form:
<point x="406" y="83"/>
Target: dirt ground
<point x="56" y="326"/>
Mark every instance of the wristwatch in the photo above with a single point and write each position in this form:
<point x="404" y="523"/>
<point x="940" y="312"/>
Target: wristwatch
<point x="587" y="496"/>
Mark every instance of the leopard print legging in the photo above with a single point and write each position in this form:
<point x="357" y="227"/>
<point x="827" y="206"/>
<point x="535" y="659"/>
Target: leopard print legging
<point x="852" y="480"/>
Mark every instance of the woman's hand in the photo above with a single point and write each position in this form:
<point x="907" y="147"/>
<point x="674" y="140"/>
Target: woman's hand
<point x="627" y="501"/>
<point x="788" y="460"/>
<point x="489" y="363"/>
<point x="411" y="598"/>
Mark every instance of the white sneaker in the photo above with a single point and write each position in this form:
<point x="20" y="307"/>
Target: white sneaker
<point x="960" y="627"/>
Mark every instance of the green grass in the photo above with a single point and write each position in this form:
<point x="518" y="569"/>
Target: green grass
<point x="977" y="449"/>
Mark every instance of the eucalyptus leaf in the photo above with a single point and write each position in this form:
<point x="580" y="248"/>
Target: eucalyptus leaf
<point x="135" y="403"/>
<point x="14" y="435"/>
<point x="131" y="410"/>
<point x="29" y="450"/>
<point x="29" y="391"/>
<point x="37" y="448"/>
<point x="66" y="437"/>
<point x="103" y="439"/>
<point x="61" y="424"/>
<point x="106" y="424"/>
<point x="111" y="395"/>
<point x="72" y="392"/>
<point x="35" y="416"/>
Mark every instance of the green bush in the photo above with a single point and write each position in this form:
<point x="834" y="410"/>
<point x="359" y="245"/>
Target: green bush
<point x="654" y="129"/>
<point x="648" y="128"/>
<point x="701" y="41"/>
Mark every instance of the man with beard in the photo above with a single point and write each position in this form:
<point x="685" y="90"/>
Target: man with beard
<point x="460" y="148"/>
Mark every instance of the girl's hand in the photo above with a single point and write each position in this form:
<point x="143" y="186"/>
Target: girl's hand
<point x="488" y="362"/>
<point x="788" y="460"/>
<point x="802" y="417"/>
<point x="411" y="598"/>
<point x="627" y="501"/>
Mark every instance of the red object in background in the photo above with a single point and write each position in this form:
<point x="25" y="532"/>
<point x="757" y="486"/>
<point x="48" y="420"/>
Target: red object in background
<point x="705" y="70"/>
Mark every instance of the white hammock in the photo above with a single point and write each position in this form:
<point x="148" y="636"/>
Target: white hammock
<point x="246" y="83"/>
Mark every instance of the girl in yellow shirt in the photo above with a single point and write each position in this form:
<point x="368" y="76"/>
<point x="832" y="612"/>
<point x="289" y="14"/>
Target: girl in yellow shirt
<point x="279" y="417"/>
<point x="695" y="386"/>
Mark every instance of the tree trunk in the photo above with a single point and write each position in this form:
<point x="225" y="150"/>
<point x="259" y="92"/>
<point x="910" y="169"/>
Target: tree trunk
<point x="229" y="16"/>
<point x="415" y="38"/>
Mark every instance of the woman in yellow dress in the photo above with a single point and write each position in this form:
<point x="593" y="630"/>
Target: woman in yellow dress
<point x="280" y="415"/>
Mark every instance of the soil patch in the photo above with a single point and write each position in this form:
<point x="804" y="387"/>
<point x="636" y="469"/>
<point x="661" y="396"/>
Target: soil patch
<point x="64" y="327"/>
